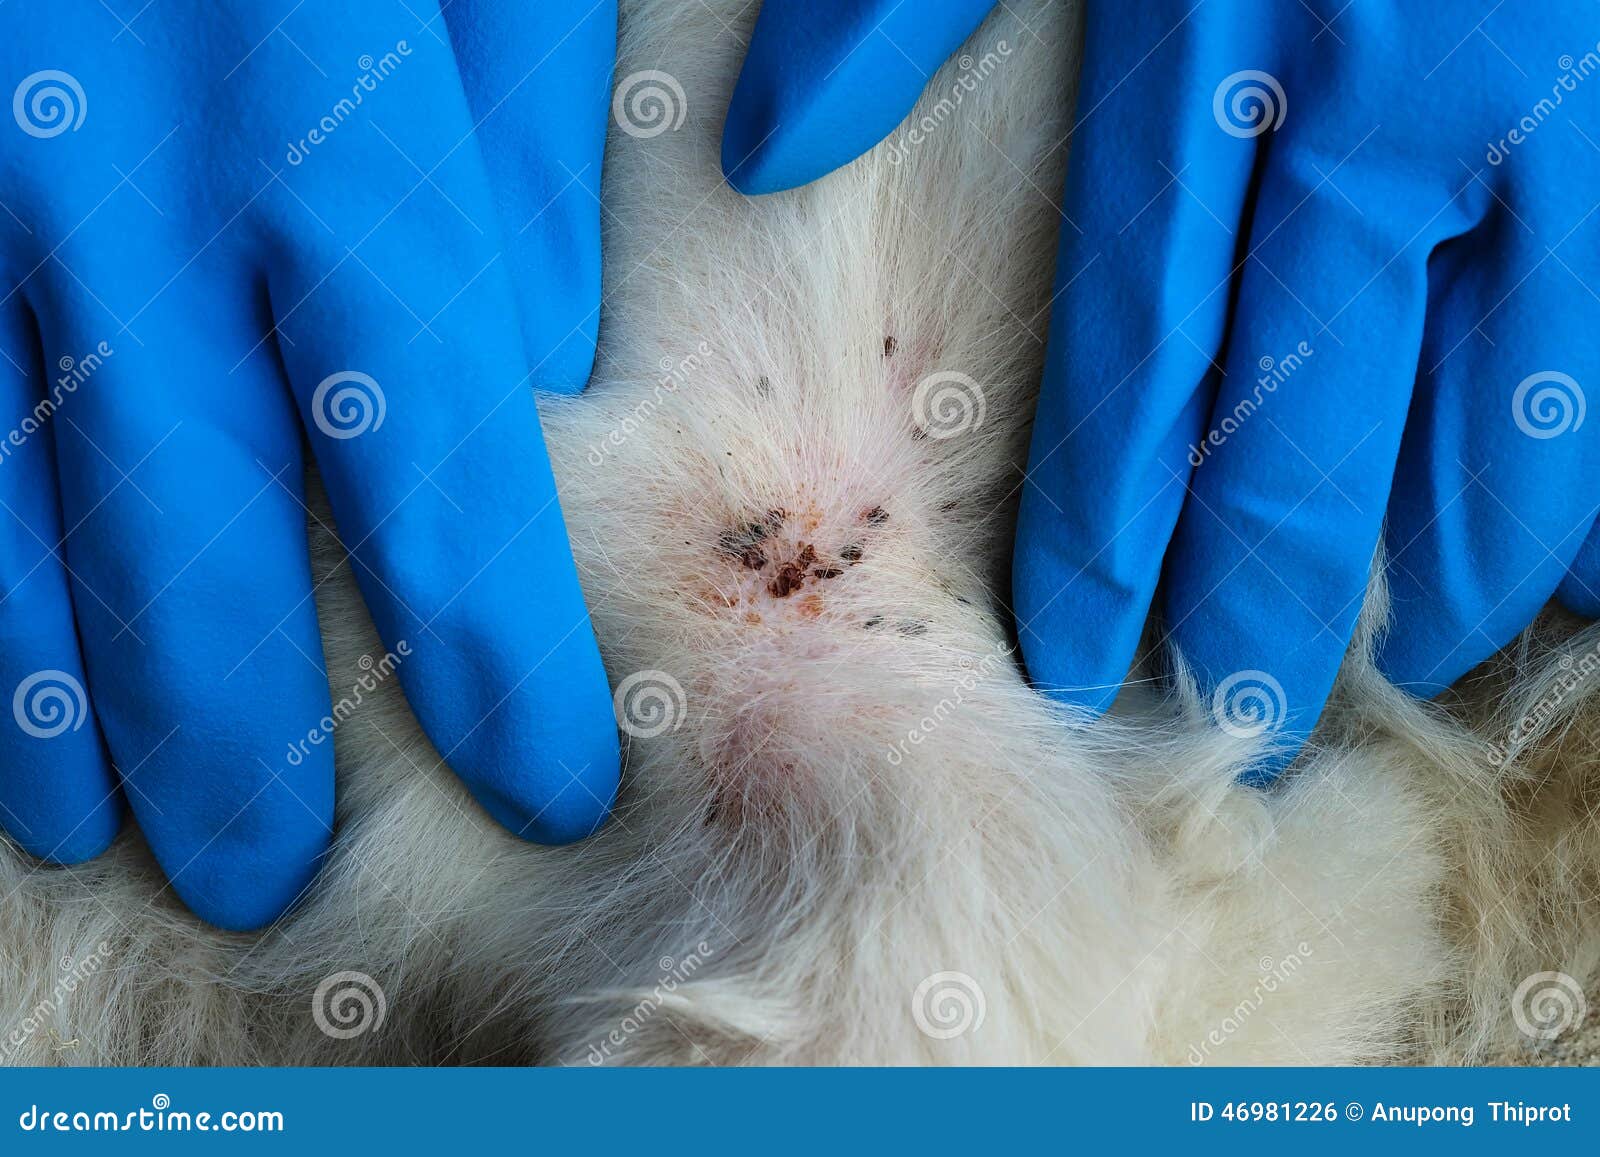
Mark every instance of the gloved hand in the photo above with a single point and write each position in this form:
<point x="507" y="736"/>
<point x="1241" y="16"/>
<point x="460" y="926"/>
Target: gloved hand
<point x="1327" y="264"/>
<point x="231" y="228"/>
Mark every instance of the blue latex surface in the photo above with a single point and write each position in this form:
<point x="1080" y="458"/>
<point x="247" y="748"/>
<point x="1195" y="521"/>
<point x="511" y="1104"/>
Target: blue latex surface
<point x="235" y="231"/>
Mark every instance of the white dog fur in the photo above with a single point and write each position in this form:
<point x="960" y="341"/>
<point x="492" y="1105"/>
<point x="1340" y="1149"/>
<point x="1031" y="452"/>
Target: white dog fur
<point x="855" y="835"/>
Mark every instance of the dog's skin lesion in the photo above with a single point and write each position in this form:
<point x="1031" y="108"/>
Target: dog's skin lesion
<point x="791" y="575"/>
<point x="756" y="544"/>
<point x="744" y="544"/>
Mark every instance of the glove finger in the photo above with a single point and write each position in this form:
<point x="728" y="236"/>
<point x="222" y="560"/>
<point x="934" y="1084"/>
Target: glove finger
<point x="181" y="479"/>
<point x="538" y="85"/>
<point x="1273" y="552"/>
<point x="1579" y="591"/>
<point x="398" y="327"/>
<point x="1498" y="482"/>
<point x="58" y="793"/>
<point x="825" y="80"/>
<point x="1154" y="197"/>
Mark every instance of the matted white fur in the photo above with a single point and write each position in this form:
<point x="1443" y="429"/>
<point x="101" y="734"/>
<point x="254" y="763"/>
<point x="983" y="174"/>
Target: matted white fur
<point x="849" y="832"/>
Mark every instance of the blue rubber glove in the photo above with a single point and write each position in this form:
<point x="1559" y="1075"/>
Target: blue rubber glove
<point x="232" y="229"/>
<point x="1327" y="263"/>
